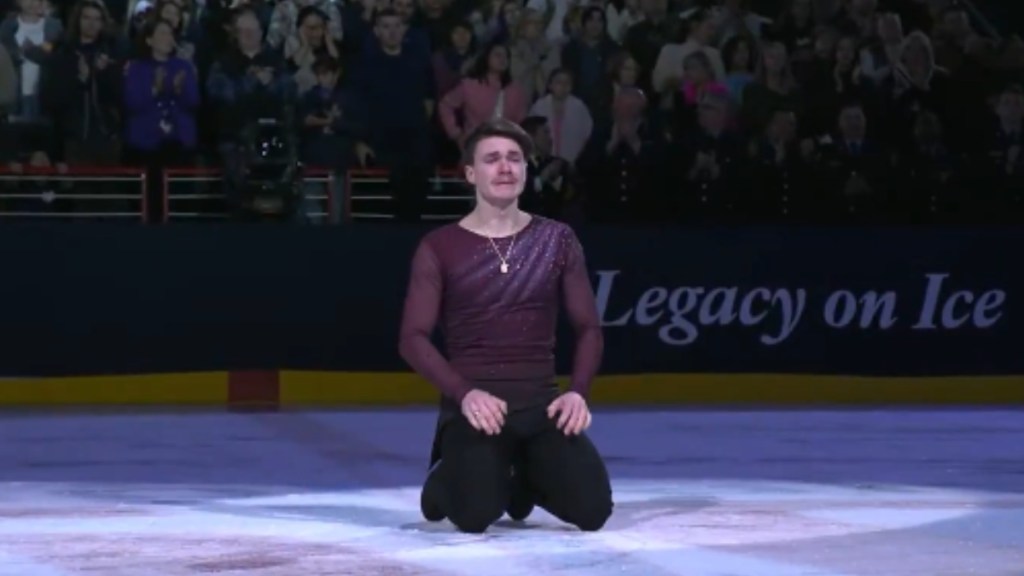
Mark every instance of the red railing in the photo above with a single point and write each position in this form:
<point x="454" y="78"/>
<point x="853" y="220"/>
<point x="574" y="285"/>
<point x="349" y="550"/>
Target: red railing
<point x="95" y="200"/>
<point x="368" y="195"/>
<point x="200" y="194"/>
<point x="193" y="193"/>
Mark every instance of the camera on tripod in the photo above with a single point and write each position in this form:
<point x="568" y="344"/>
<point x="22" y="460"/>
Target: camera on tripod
<point x="270" y="179"/>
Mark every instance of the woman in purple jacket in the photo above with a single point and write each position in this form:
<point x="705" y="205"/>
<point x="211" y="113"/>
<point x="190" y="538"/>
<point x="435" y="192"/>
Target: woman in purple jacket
<point x="161" y="97"/>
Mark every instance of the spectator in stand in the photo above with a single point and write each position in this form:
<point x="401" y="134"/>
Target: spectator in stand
<point x="497" y="21"/>
<point x="451" y="64"/>
<point x="735" y="18"/>
<point x="310" y="43"/>
<point x="250" y="82"/>
<point x="334" y="123"/>
<point x="739" y="57"/>
<point x="161" y="98"/>
<point x="8" y="91"/>
<point x="1003" y="163"/>
<point x="549" y="177"/>
<point x="587" y="56"/>
<point x="623" y="166"/>
<point x="534" y="57"/>
<point x="795" y="29"/>
<point x="857" y="18"/>
<point x="485" y="93"/>
<point x="855" y="169"/>
<point x="567" y="117"/>
<point x="28" y="37"/>
<point x="455" y="60"/>
<point x="395" y="81"/>
<point x="621" y="19"/>
<point x="436" y="18"/>
<point x="623" y="72"/>
<point x="668" y="71"/>
<point x="357" y="23"/>
<point x="925" y="186"/>
<point x="415" y="36"/>
<point x="160" y="102"/>
<point x="645" y="40"/>
<point x="882" y="52"/>
<point x="774" y="88"/>
<point x="252" y="91"/>
<point x="835" y="81"/>
<point x="285" y="21"/>
<point x="710" y="178"/>
<point x="782" y="169"/>
<point x="334" y="126"/>
<point x="184" y="33"/>
<point x="916" y="84"/>
<point x="698" y="81"/>
<point x="81" y="87"/>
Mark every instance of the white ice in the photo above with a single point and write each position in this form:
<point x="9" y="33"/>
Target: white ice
<point x="857" y="493"/>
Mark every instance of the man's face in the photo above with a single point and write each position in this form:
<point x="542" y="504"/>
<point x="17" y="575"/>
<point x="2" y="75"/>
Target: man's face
<point x="327" y="79"/>
<point x="628" y="107"/>
<point x="542" y="140"/>
<point x="498" y="171"/>
<point x="389" y="30"/>
<point x="249" y="33"/>
<point x="91" y="22"/>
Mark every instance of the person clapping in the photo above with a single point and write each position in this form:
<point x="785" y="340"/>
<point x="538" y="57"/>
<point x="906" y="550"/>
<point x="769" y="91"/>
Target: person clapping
<point x="161" y="95"/>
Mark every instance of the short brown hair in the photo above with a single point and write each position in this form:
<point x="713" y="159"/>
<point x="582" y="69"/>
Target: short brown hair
<point x="497" y="128"/>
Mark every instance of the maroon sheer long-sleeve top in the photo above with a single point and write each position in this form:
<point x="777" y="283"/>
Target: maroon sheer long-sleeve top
<point x="499" y="328"/>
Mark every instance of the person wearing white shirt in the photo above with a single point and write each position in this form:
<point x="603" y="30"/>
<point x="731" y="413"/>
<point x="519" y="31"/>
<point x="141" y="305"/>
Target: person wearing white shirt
<point x="28" y="37"/>
<point x="568" y="118"/>
<point x="668" y="70"/>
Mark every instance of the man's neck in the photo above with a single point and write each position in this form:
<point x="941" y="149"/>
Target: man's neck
<point x="29" y="18"/>
<point x="492" y="220"/>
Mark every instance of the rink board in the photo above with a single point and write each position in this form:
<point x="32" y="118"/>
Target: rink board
<point x="269" y="389"/>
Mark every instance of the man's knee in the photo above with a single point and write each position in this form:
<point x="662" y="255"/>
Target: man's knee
<point x="593" y="516"/>
<point x="476" y="519"/>
<point x="589" y="511"/>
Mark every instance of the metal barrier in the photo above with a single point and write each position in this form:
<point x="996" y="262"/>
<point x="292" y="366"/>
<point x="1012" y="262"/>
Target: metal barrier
<point x="35" y="192"/>
<point x="368" y="196"/>
<point x="195" y="193"/>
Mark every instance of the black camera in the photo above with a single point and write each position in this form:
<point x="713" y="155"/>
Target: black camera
<point x="269" y="182"/>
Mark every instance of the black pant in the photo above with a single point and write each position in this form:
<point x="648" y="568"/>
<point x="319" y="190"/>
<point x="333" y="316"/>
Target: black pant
<point x="566" y="476"/>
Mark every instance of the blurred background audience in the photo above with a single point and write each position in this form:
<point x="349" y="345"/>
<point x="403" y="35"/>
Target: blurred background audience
<point x="667" y="111"/>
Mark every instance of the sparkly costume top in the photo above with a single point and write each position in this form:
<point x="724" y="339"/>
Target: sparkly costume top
<point x="499" y="327"/>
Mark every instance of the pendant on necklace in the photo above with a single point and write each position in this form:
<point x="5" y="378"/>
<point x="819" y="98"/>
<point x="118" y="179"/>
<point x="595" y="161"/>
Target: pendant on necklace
<point x="504" y="268"/>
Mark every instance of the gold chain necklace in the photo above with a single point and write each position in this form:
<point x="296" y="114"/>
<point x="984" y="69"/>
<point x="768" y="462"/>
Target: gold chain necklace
<point x="504" y="259"/>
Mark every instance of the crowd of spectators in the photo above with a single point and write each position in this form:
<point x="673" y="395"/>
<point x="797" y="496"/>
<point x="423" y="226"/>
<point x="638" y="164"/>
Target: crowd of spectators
<point x="641" y="110"/>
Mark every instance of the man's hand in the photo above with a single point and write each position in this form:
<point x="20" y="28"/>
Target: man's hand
<point x="573" y="414"/>
<point x="485" y="412"/>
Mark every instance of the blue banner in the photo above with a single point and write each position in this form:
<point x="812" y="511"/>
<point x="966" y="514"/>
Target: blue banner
<point x="102" y="299"/>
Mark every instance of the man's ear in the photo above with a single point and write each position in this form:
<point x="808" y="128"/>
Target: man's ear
<point x="470" y="175"/>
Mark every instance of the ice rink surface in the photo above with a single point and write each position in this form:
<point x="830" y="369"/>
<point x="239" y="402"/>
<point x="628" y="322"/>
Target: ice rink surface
<point x="698" y="493"/>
